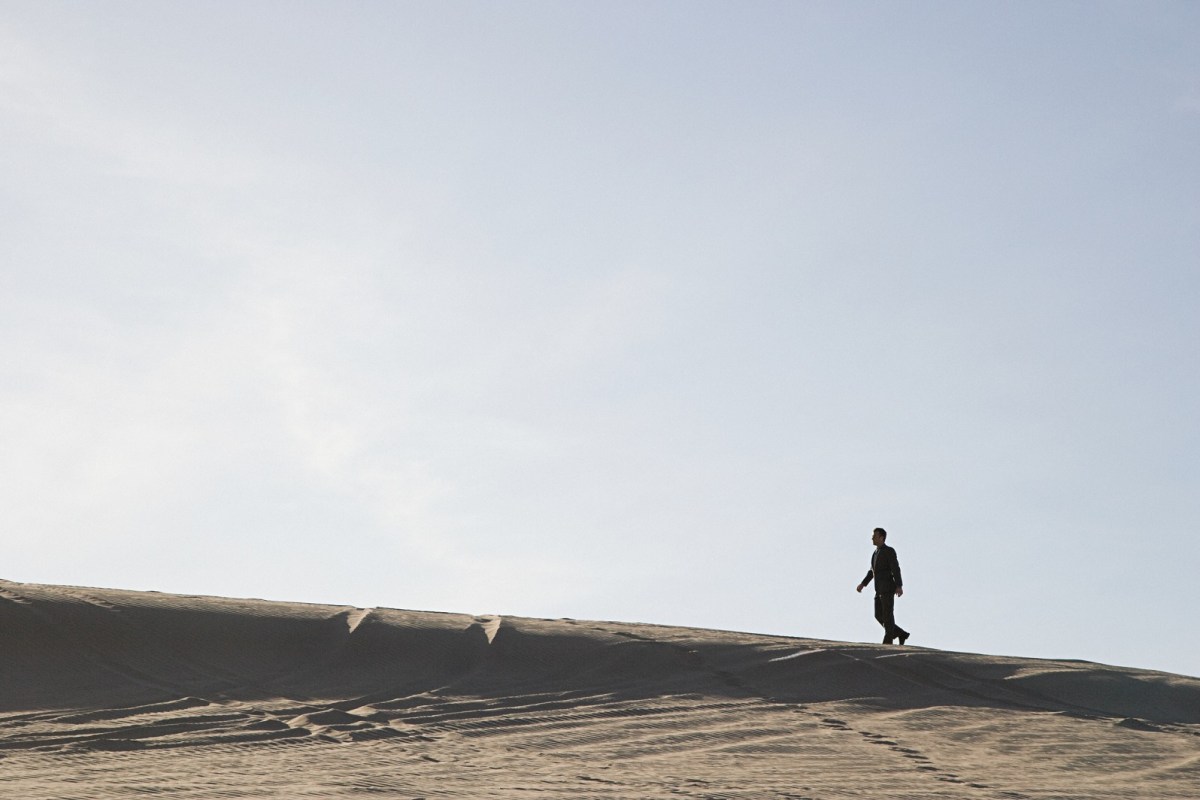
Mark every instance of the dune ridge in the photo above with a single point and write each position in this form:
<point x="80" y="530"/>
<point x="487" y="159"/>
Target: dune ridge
<point x="108" y="693"/>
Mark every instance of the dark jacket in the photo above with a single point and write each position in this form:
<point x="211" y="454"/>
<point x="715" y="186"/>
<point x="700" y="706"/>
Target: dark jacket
<point x="885" y="569"/>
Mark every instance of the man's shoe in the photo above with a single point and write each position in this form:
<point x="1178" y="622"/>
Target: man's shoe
<point x="887" y="641"/>
<point x="904" y="637"/>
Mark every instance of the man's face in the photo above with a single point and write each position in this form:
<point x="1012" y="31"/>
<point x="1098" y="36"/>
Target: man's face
<point x="876" y="539"/>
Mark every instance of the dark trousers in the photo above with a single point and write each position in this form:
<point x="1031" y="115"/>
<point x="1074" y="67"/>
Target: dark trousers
<point x="885" y="613"/>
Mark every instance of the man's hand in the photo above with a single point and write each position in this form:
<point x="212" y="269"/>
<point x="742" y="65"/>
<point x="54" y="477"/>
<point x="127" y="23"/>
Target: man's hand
<point x="860" y="588"/>
<point x="899" y="591"/>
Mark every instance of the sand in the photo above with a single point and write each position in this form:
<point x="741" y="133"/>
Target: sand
<point x="107" y="693"/>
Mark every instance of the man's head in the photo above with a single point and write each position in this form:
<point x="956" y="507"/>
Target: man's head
<point x="878" y="536"/>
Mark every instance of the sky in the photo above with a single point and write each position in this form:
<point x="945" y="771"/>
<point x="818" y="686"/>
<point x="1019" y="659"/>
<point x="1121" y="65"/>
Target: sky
<point x="635" y="311"/>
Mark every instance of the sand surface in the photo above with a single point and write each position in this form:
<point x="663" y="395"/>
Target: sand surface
<point x="108" y="693"/>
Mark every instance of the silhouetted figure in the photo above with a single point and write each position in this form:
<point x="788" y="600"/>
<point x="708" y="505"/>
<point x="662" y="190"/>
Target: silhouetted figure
<point x="885" y="570"/>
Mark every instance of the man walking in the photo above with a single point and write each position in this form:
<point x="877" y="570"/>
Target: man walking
<point x="885" y="569"/>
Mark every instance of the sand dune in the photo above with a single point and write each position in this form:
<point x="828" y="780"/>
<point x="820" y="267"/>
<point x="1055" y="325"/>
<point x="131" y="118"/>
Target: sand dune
<point x="108" y="693"/>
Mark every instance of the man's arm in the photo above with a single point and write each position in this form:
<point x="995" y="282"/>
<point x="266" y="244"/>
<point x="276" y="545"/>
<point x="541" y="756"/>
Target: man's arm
<point x="865" y="581"/>
<point x="899" y="581"/>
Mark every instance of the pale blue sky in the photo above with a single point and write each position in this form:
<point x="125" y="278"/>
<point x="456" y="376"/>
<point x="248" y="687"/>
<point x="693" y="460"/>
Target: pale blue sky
<point x="635" y="311"/>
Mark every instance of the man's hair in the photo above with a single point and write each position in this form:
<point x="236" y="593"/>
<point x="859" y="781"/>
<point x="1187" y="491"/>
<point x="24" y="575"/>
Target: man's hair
<point x="881" y="532"/>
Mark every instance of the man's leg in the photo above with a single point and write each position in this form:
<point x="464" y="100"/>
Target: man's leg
<point x="894" y="629"/>
<point x="885" y="605"/>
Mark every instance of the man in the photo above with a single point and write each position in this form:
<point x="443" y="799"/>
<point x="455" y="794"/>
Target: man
<point x="885" y="569"/>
